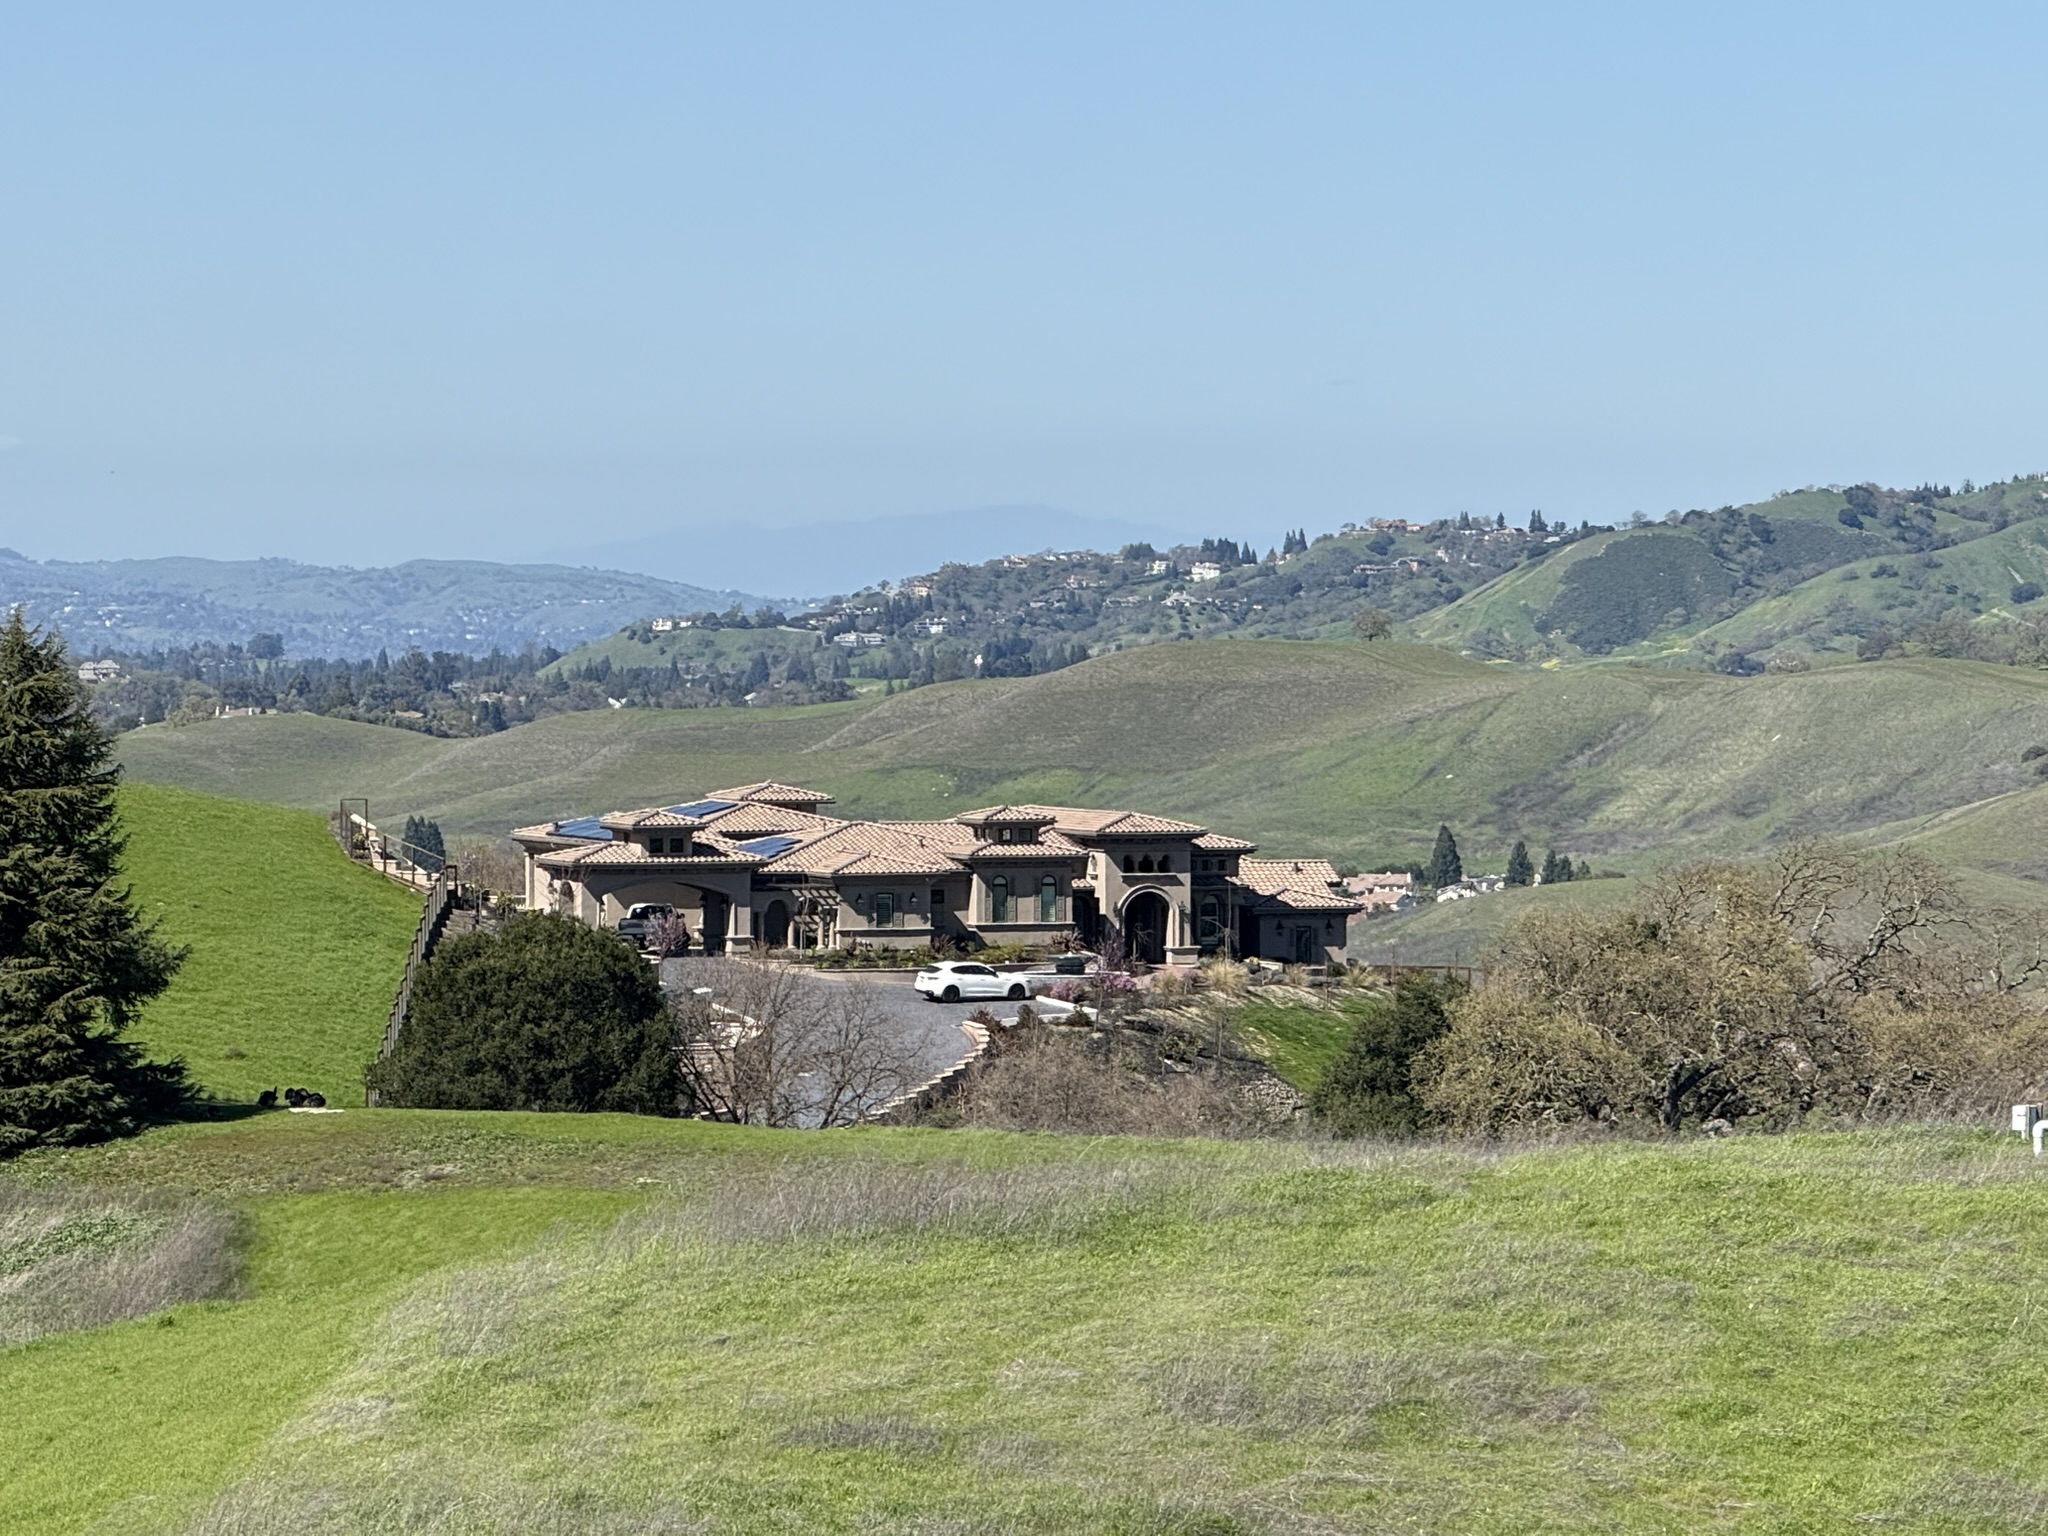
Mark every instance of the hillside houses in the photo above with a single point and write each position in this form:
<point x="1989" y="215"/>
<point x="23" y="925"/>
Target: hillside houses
<point x="764" y="866"/>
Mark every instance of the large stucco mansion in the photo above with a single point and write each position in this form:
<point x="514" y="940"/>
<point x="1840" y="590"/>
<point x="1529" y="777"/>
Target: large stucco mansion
<point x="762" y="866"/>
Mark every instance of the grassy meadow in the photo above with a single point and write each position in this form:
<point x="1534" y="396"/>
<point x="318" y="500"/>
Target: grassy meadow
<point x="478" y="1323"/>
<point x="295" y="953"/>
<point x="1342" y="749"/>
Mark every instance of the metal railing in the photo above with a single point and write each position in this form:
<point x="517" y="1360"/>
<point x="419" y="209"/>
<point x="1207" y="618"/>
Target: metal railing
<point x="442" y="895"/>
<point x="392" y="857"/>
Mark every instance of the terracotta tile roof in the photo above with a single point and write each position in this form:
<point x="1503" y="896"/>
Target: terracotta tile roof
<point x="760" y="819"/>
<point x="1216" y="842"/>
<point x="652" y="817"/>
<point x="772" y="792"/>
<point x="1008" y="816"/>
<point x="707" y="850"/>
<point x="880" y="848"/>
<point x="1295" y="885"/>
<point x="1049" y="846"/>
<point x="536" y="832"/>
<point x="1078" y="821"/>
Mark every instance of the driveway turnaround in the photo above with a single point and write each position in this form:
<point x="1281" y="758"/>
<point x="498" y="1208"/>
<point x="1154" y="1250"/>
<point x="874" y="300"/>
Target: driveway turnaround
<point x="928" y="1033"/>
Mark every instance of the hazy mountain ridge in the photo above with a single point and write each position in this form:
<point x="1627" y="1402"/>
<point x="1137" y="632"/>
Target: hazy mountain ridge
<point x="455" y="605"/>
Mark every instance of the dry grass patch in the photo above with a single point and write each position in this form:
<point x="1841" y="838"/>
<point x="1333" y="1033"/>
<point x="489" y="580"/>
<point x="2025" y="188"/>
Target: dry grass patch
<point x="76" y="1259"/>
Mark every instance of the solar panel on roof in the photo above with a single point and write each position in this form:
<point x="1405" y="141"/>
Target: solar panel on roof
<point x="585" y="827"/>
<point x="768" y="847"/>
<point x="700" y="807"/>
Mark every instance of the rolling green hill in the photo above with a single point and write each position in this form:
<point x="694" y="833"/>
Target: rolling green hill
<point x="1352" y="750"/>
<point x="1823" y="618"/>
<point x="295" y="952"/>
<point x="1806" y="574"/>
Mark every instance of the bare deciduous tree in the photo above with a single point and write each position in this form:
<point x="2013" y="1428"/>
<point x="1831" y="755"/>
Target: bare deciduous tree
<point x="770" y="1045"/>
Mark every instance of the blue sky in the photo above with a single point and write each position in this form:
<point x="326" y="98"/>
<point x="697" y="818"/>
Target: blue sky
<point x="503" y="280"/>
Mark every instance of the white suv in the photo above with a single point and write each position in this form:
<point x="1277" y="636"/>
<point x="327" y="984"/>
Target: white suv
<point x="951" y="980"/>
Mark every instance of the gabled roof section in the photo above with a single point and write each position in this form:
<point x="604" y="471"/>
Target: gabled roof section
<point x="1008" y="816"/>
<point x="1216" y="842"/>
<point x="654" y="818"/>
<point x="879" y="848"/>
<point x="707" y="850"/>
<point x="774" y="792"/>
<point x="1050" y="846"/>
<point x="1077" y="821"/>
<point x="755" y="818"/>
<point x="1294" y="885"/>
<point x="551" y="832"/>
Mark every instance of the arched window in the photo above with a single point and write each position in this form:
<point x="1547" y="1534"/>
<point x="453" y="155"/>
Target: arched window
<point x="1145" y="865"/>
<point x="1048" y="900"/>
<point x="1130" y="865"/>
<point x="1165" y="863"/>
<point x="999" y="899"/>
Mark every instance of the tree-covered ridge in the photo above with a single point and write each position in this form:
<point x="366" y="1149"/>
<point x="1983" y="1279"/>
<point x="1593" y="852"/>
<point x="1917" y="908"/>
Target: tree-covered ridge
<point x="1837" y="574"/>
<point x="1807" y="577"/>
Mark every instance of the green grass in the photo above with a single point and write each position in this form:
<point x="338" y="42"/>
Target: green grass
<point x="1458" y="932"/>
<point x="295" y="952"/>
<point x="513" y="1323"/>
<point x="1300" y="1040"/>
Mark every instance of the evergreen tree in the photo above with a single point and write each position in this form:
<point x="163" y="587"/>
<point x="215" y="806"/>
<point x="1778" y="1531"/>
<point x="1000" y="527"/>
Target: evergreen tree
<point x="1520" y="870"/>
<point x="543" y="1014"/>
<point x="1367" y="1090"/>
<point x="76" y="961"/>
<point x="1550" y="876"/>
<point x="1584" y="871"/>
<point x="423" y="843"/>
<point x="1445" y="867"/>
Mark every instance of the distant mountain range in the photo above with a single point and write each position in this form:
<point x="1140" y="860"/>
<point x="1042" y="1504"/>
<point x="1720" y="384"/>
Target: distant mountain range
<point x="452" y="605"/>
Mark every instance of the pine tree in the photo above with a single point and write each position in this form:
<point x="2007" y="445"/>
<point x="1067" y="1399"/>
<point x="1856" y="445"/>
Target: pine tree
<point x="1520" y="870"/>
<point x="1550" y="876"/>
<point x="76" y="961"/>
<point x="1445" y="867"/>
<point x="1584" y="871"/>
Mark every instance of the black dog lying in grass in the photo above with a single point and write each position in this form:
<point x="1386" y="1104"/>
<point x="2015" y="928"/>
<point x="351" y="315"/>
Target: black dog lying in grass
<point x="295" y="1098"/>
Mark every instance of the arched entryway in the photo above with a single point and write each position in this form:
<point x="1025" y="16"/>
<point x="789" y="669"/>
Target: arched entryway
<point x="775" y="925"/>
<point x="1145" y="927"/>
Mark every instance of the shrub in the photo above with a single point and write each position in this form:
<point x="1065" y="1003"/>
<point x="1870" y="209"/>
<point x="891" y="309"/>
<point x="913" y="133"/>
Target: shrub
<point x="544" y="1014"/>
<point x="2033" y="752"/>
<point x="1046" y="1080"/>
<point x="1825" y="984"/>
<point x="1633" y="588"/>
<point x="1369" y="1089"/>
<point x="2025" y="592"/>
